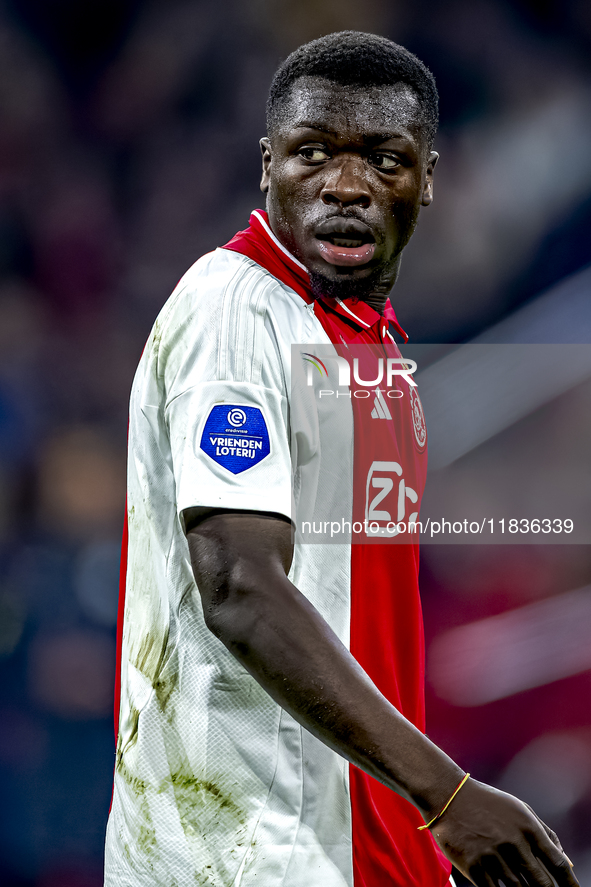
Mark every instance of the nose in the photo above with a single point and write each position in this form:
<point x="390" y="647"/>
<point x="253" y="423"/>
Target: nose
<point x="345" y="184"/>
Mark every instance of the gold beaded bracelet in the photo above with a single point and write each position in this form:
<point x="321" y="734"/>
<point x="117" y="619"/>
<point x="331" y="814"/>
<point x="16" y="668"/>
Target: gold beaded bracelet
<point x="440" y="814"/>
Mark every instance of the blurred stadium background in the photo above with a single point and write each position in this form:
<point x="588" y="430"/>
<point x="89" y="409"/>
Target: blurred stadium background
<point x="128" y="147"/>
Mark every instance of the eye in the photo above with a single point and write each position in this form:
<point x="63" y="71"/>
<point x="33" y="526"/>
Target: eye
<point x="314" y="154"/>
<point x="384" y="161"/>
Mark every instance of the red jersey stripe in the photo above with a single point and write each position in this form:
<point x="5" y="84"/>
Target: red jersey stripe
<point x="386" y="617"/>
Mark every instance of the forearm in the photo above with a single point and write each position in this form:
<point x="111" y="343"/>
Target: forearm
<point x="287" y="647"/>
<point x="279" y="637"/>
<point x="241" y="563"/>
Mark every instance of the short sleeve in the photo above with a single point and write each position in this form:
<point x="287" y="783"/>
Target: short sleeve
<point x="230" y="447"/>
<point x="218" y="377"/>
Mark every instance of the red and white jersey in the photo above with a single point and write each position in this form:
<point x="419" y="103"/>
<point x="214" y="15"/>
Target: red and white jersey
<point x="215" y="783"/>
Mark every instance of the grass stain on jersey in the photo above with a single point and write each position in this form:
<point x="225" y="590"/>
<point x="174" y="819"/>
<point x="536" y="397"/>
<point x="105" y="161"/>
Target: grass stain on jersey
<point x="149" y="658"/>
<point x="203" y="805"/>
<point x="156" y="336"/>
<point x="145" y="626"/>
<point x="132" y="726"/>
<point x="137" y="785"/>
<point x="156" y="340"/>
<point x="164" y="686"/>
<point x="146" y="837"/>
<point x="206" y="878"/>
<point x="194" y="793"/>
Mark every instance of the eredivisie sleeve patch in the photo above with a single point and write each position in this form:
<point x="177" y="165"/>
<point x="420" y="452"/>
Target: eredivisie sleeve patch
<point x="235" y="436"/>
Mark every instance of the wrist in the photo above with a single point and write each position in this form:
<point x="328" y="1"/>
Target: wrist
<point x="422" y="772"/>
<point x="434" y="793"/>
<point x="438" y="816"/>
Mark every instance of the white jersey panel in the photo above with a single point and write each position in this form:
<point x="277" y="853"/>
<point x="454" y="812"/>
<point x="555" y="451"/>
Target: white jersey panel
<point x="215" y="784"/>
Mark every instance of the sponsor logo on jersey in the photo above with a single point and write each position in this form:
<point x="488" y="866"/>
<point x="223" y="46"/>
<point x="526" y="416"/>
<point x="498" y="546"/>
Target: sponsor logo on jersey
<point x="382" y="476"/>
<point x="235" y="436"/>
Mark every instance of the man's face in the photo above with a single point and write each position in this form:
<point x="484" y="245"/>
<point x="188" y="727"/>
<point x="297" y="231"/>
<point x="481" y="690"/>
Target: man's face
<point x="346" y="173"/>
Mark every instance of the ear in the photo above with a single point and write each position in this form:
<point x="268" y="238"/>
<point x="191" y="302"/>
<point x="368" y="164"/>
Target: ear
<point x="427" y="198"/>
<point x="266" y="152"/>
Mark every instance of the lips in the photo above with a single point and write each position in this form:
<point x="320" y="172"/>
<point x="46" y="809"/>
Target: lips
<point x="345" y="242"/>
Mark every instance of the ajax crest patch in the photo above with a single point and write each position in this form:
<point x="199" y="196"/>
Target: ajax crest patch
<point x="235" y="436"/>
<point x="418" y="419"/>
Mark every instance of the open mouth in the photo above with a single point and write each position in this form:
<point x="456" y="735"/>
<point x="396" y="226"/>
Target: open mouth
<point x="345" y="242"/>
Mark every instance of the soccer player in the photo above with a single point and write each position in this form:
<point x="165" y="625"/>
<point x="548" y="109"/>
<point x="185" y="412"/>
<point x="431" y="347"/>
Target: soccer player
<point x="271" y="714"/>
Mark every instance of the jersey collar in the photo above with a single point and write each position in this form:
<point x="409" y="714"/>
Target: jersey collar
<point x="258" y="243"/>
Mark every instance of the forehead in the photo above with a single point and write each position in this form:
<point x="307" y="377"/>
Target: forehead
<point x="351" y="110"/>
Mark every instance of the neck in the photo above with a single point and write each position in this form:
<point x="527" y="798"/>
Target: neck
<point x="376" y="300"/>
<point x="378" y="296"/>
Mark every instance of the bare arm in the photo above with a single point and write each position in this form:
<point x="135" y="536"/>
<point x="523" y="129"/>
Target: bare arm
<point x="240" y="561"/>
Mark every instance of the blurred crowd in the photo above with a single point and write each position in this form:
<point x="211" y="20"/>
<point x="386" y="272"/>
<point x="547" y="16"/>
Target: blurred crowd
<point x="129" y="147"/>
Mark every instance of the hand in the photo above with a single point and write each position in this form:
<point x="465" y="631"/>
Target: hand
<point x="492" y="837"/>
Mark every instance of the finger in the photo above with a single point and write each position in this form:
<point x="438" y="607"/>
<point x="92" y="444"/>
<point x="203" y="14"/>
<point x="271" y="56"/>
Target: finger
<point x="487" y="880"/>
<point x="543" y="871"/>
<point x="503" y="880"/>
<point x="557" y="864"/>
<point x="529" y="869"/>
<point x="551" y="834"/>
<point x="479" y="877"/>
<point x="503" y="874"/>
<point x="494" y="872"/>
<point x="551" y="856"/>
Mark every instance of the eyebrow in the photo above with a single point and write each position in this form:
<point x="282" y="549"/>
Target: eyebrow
<point x="375" y="138"/>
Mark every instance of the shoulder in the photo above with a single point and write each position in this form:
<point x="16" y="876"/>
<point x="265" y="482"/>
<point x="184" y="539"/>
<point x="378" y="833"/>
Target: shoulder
<point x="215" y="278"/>
<point x="216" y="323"/>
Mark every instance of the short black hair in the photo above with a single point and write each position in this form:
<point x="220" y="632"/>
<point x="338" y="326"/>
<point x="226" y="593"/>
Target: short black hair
<point x="354" y="58"/>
